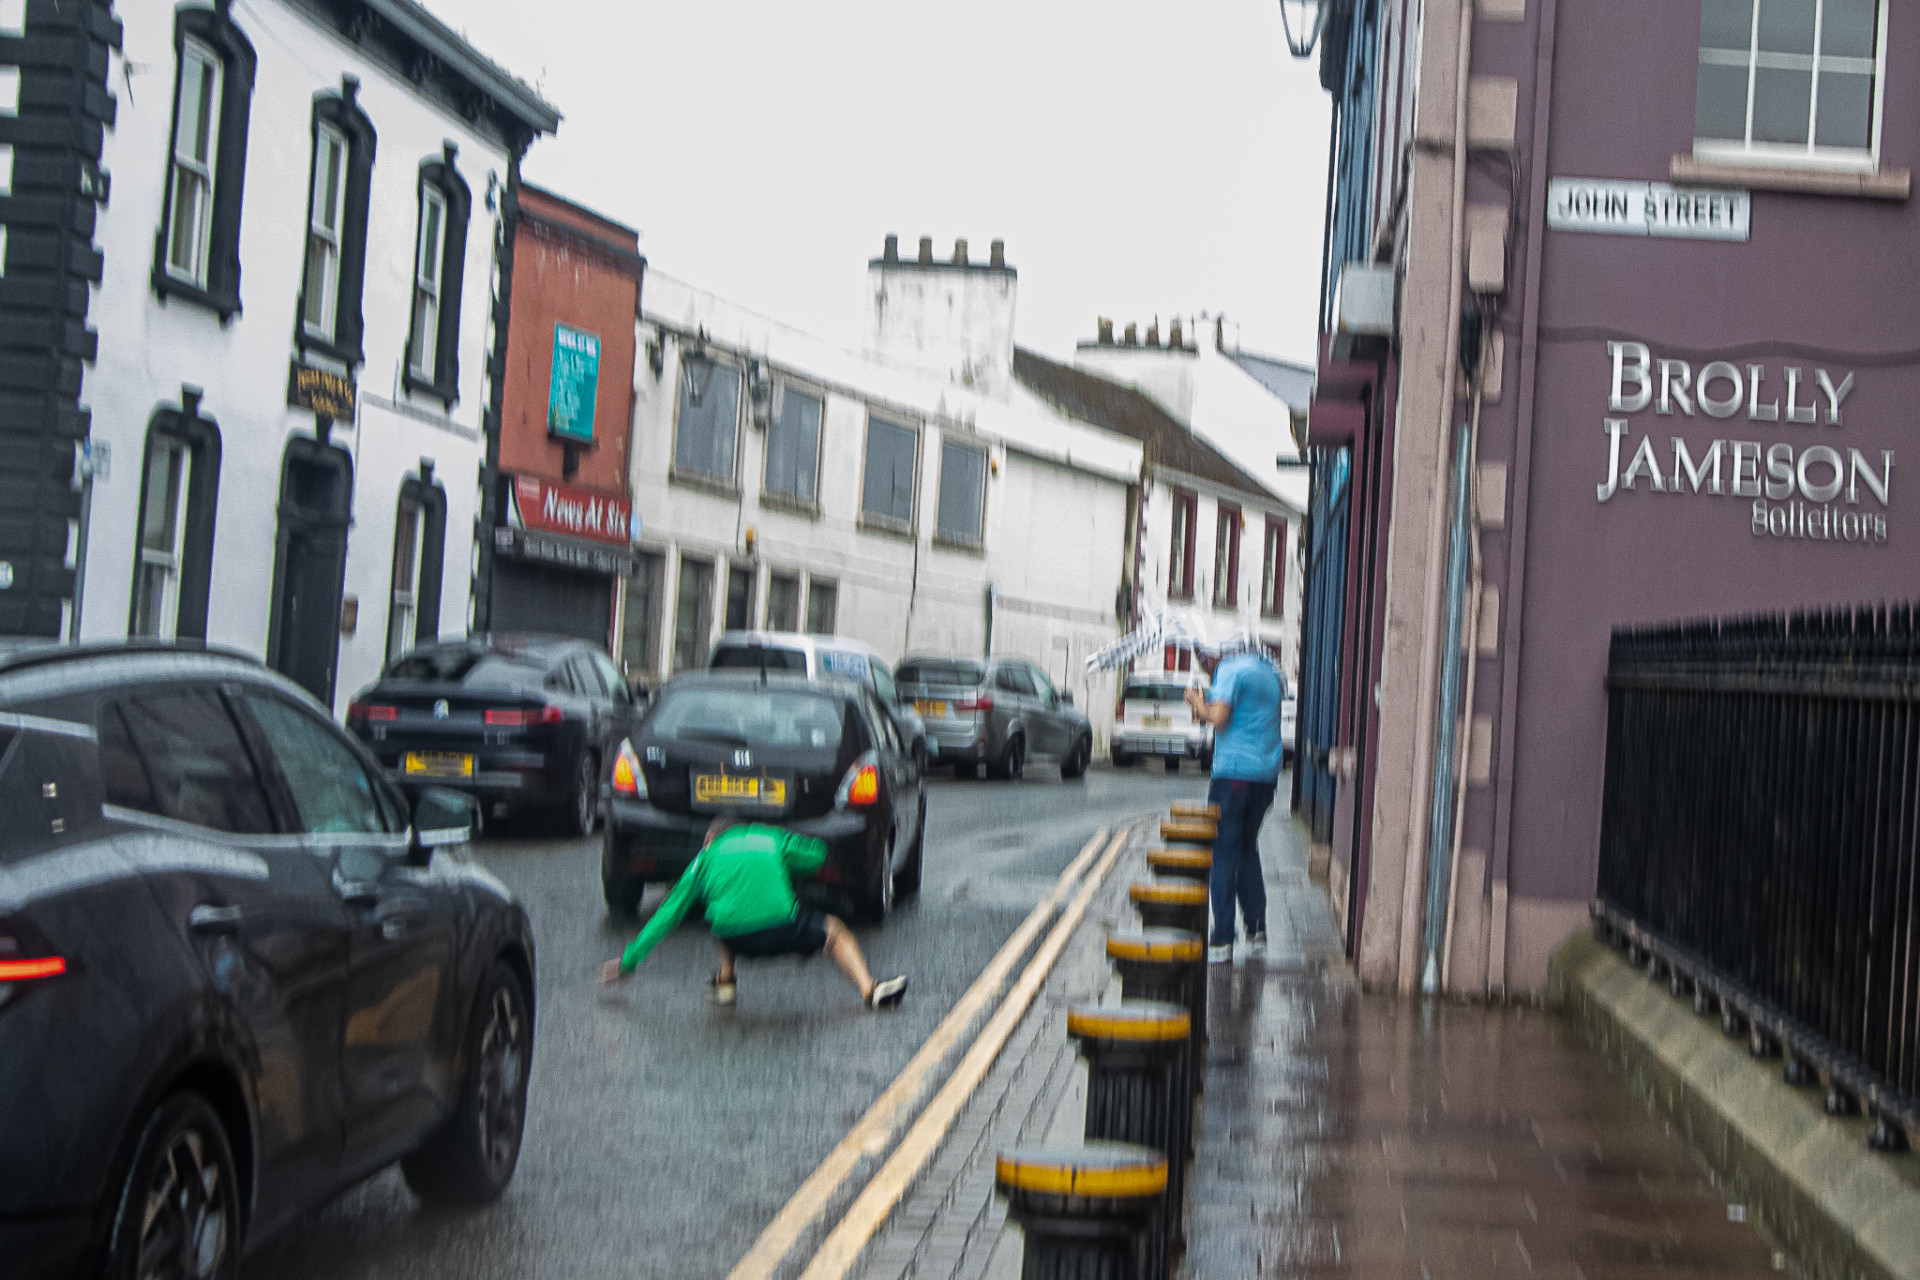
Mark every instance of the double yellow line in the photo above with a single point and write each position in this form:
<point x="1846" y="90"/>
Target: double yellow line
<point x="870" y="1136"/>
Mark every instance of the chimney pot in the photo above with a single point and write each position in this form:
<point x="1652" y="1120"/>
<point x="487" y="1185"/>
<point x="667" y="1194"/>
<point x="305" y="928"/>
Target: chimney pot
<point x="1174" y="336"/>
<point x="960" y="252"/>
<point x="892" y="253"/>
<point x="1132" y="336"/>
<point x="997" y="255"/>
<point x="1105" y="327"/>
<point x="926" y="250"/>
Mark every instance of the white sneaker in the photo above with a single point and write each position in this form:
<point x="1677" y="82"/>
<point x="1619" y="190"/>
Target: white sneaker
<point x="887" y="991"/>
<point x="1220" y="954"/>
<point x="721" y="992"/>
<point x="1257" y="945"/>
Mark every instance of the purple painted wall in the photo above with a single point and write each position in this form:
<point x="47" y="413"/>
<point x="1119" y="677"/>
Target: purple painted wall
<point x="1824" y="282"/>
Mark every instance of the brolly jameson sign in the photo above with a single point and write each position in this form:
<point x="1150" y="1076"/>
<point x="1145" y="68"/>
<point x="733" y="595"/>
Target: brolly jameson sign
<point x="1804" y="480"/>
<point x="542" y="506"/>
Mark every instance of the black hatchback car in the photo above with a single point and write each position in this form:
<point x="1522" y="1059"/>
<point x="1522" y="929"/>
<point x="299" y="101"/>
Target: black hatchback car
<point x="236" y="973"/>
<point x="516" y="721"/>
<point x="820" y="757"/>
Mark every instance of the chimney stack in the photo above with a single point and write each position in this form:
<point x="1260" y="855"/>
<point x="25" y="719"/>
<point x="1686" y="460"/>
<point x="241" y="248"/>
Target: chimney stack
<point x="1132" y="336"/>
<point x="926" y="251"/>
<point x="1173" y="335"/>
<point x="892" y="252"/>
<point x="1153" y="332"/>
<point x="1105" y="327"/>
<point x="960" y="252"/>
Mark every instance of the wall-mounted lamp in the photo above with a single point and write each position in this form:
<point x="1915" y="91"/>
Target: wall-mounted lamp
<point x="657" y="354"/>
<point x="1303" y="20"/>
<point x="698" y="366"/>
<point x="759" y="394"/>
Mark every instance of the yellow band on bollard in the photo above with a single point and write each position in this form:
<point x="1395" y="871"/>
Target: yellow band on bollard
<point x="1195" y="859"/>
<point x="1181" y="893"/>
<point x="1121" y="1174"/>
<point x="1159" y="944"/>
<point x="1119" y="1024"/>
<point x="1189" y="829"/>
<point x="1189" y="809"/>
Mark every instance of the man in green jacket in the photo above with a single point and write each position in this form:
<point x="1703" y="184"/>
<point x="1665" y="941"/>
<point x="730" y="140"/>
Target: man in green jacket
<point x="744" y="874"/>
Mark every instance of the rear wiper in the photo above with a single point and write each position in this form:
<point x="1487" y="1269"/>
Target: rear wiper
<point x="716" y="735"/>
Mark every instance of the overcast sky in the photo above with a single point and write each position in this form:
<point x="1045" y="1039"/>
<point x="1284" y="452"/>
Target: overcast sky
<point x="1139" y="157"/>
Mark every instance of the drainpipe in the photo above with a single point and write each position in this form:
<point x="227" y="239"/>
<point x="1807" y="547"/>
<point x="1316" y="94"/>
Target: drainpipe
<point x="1471" y="651"/>
<point x="1424" y="736"/>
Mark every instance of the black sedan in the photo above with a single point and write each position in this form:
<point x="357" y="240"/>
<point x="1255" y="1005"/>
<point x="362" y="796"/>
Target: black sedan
<point x="820" y="757"/>
<point x="236" y="973"/>
<point x="519" y="722"/>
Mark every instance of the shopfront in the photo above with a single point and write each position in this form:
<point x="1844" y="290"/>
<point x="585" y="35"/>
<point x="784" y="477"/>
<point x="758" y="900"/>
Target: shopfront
<point x="559" y="558"/>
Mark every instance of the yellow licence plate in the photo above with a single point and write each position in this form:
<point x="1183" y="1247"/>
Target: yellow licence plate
<point x="439" y="764"/>
<point x="1158" y="722"/>
<point x="928" y="708"/>
<point x="711" y="788"/>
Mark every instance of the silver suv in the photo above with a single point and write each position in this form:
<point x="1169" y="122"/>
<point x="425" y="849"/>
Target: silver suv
<point x="996" y="712"/>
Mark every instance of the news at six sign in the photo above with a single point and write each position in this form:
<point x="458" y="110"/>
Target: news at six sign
<point x="542" y="506"/>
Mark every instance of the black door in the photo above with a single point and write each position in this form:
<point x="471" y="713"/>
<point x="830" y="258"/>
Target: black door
<point x="544" y="599"/>
<point x="399" y="1005"/>
<point x="310" y="565"/>
<point x="257" y="910"/>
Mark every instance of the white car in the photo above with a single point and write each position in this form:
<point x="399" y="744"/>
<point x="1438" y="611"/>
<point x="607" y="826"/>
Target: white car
<point x="1153" y="719"/>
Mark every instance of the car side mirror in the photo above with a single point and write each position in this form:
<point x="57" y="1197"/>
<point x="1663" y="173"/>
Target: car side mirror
<point x="441" y="817"/>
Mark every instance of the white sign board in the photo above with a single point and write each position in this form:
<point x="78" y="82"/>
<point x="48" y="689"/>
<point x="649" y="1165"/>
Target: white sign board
<point x="1647" y="209"/>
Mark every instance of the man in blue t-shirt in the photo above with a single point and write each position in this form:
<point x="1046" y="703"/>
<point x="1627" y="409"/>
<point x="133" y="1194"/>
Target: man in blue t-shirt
<point x="1243" y="707"/>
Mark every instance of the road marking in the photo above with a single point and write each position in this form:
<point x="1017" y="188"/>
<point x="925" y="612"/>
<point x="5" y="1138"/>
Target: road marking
<point x="875" y="1129"/>
<point x="838" y="1254"/>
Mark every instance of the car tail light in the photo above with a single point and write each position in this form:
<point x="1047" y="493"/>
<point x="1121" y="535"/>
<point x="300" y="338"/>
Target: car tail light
<point x="509" y="717"/>
<point x="371" y="711"/>
<point x="18" y="967"/>
<point x="628" y="779"/>
<point x="861" y="786"/>
<point x="975" y="703"/>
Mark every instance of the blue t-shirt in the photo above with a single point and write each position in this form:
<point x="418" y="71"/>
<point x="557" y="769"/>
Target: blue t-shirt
<point x="1248" y="749"/>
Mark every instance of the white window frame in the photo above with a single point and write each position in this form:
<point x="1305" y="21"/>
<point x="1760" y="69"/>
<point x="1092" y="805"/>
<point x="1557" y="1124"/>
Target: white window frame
<point x="403" y="613"/>
<point x="428" y="267"/>
<point x="882" y="520"/>
<point x="331" y="237"/>
<point x="978" y="537"/>
<point x="167" y="560"/>
<point x="1787" y="155"/>
<point x="201" y="244"/>
<point x="675" y="471"/>
<point x="782" y="387"/>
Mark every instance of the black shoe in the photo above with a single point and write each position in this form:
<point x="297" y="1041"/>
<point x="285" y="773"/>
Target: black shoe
<point x="886" y="993"/>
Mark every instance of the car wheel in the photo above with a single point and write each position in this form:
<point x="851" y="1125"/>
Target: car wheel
<point x="1012" y="762"/>
<point x="472" y="1157"/>
<point x="906" y="880"/>
<point x="1206" y="760"/>
<point x="1173" y="764"/>
<point x="967" y="770"/>
<point x="583" y="804"/>
<point x="179" y="1209"/>
<point x="1121" y="760"/>
<point x="879" y="897"/>
<point x="620" y="888"/>
<point x="1075" y="765"/>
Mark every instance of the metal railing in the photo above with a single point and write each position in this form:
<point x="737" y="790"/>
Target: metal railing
<point x="1760" y="839"/>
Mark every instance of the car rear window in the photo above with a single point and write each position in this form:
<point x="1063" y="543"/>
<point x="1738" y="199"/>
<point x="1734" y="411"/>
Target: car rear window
<point x="940" y="671"/>
<point x="1157" y="692"/>
<point x="753" y="718"/>
<point x="752" y="658"/>
<point x="476" y="668"/>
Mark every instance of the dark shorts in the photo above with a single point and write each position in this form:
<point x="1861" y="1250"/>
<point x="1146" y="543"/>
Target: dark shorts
<point x="804" y="935"/>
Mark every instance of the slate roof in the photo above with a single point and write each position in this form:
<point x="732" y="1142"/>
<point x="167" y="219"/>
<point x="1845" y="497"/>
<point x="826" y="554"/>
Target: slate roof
<point x="1090" y="398"/>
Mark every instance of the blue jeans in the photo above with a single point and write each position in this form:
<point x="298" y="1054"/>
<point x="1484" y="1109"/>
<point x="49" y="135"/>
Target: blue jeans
<point x="1236" y="855"/>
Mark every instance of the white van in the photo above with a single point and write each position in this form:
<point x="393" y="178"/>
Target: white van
<point x="815" y="656"/>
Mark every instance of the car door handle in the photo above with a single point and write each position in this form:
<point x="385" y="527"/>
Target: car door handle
<point x="210" y="919"/>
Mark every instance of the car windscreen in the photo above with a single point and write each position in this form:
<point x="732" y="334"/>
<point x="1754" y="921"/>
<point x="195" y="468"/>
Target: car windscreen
<point x="939" y="671"/>
<point x="475" y="668"/>
<point x="749" y="717"/>
<point x="755" y="657"/>
<point x="1156" y="692"/>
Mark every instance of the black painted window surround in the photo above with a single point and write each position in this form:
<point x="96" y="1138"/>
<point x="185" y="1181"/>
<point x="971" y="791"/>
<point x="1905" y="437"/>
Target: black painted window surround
<point x="215" y="147"/>
<point x="346" y="257"/>
<point x="419" y="554"/>
<point x="198" y="440"/>
<point x="432" y="364"/>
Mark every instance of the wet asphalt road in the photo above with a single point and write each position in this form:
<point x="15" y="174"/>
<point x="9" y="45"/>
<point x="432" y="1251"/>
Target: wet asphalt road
<point x="663" y="1133"/>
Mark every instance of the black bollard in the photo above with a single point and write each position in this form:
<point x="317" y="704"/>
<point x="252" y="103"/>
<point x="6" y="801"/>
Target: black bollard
<point x="1185" y="862"/>
<point x="1171" y="904"/>
<point x="1136" y="1054"/>
<point x="1171" y="966"/>
<point x="1085" y="1212"/>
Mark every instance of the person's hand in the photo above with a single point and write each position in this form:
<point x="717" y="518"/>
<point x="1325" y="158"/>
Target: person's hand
<point x="610" y="973"/>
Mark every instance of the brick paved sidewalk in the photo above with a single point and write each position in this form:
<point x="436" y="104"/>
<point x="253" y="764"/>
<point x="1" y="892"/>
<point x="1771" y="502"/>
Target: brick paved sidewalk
<point x="1345" y="1135"/>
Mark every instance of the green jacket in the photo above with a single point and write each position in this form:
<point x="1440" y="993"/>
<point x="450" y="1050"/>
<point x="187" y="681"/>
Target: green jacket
<point x="746" y="879"/>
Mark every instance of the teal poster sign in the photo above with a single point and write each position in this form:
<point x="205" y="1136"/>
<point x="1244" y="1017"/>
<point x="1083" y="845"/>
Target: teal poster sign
<point x="576" y="373"/>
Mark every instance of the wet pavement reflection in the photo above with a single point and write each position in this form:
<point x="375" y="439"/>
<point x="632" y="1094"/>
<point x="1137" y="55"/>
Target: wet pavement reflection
<point x="1350" y="1135"/>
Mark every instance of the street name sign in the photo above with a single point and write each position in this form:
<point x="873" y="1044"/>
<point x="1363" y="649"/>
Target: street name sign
<point x="1647" y="209"/>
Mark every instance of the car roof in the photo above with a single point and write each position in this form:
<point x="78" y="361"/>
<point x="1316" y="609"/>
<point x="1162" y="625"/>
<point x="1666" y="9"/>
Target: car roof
<point x="742" y="678"/>
<point x="797" y="640"/>
<point x="29" y="674"/>
<point x="529" y="646"/>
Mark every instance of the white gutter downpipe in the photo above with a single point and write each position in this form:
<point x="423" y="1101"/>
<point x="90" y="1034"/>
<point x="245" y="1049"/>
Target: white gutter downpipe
<point x="1413" y="886"/>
